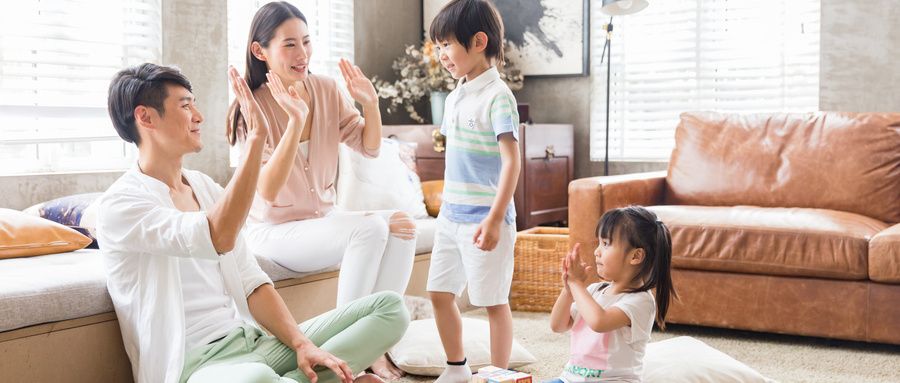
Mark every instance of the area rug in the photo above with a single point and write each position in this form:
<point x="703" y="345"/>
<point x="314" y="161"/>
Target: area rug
<point x="784" y="358"/>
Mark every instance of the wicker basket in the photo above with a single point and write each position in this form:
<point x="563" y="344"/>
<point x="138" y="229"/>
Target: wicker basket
<point x="537" y="277"/>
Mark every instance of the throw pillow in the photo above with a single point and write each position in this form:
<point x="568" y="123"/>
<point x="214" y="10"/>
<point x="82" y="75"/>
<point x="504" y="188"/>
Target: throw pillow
<point x="686" y="359"/>
<point x="24" y="235"/>
<point x="78" y="212"/>
<point x="388" y="182"/>
<point x="434" y="196"/>
<point x="420" y="351"/>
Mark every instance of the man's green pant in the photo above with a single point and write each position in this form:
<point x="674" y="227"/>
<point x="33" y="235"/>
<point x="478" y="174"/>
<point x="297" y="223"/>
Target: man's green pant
<point x="358" y="333"/>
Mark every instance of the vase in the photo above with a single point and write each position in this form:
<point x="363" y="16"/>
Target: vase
<point x="437" y="107"/>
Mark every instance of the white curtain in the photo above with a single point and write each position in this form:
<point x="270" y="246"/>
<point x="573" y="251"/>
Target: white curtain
<point x="682" y="55"/>
<point x="56" y="60"/>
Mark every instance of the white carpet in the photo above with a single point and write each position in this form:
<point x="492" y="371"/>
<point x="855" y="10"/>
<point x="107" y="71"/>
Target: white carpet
<point x="783" y="358"/>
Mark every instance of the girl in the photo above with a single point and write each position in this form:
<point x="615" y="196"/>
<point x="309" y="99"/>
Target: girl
<point x="294" y="220"/>
<point x="611" y="320"/>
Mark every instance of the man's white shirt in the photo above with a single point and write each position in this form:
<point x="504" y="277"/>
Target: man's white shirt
<point x="144" y="240"/>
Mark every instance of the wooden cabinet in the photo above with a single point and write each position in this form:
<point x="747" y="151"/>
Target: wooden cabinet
<point x="548" y="165"/>
<point x="547" y="155"/>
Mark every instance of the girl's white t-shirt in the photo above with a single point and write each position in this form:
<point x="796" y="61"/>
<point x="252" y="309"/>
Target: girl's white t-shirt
<point x="617" y="355"/>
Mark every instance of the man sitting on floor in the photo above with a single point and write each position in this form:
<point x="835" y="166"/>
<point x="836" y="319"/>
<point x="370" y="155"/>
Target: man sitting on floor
<point x="188" y="295"/>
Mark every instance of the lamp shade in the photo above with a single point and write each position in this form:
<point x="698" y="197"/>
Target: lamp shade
<point x="623" y="7"/>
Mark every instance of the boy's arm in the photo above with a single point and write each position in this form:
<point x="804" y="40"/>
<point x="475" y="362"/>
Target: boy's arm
<point x="488" y="233"/>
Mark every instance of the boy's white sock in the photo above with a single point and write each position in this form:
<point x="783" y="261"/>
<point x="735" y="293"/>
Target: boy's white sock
<point x="455" y="373"/>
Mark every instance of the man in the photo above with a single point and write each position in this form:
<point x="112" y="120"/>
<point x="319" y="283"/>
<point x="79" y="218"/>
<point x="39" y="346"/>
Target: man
<point x="188" y="295"/>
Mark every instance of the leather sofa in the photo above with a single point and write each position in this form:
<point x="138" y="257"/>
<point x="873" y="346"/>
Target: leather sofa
<point x="784" y="223"/>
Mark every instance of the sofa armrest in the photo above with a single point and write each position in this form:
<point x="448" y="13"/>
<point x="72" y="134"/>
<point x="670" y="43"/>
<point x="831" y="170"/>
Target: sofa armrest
<point x="590" y="197"/>
<point x="884" y="256"/>
<point x="434" y="195"/>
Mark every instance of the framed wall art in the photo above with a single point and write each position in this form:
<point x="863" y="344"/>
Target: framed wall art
<point x="546" y="37"/>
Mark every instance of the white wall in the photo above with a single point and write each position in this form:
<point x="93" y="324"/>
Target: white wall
<point x="860" y="49"/>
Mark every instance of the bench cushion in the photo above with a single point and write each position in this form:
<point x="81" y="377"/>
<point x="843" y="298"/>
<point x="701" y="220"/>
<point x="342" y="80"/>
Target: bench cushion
<point x="57" y="287"/>
<point x="772" y="241"/>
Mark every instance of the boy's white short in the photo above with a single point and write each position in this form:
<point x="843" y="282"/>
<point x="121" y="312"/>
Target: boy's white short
<point x="456" y="260"/>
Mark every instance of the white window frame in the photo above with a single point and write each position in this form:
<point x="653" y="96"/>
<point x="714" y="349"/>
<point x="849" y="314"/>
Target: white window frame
<point x="56" y="60"/>
<point x="675" y="56"/>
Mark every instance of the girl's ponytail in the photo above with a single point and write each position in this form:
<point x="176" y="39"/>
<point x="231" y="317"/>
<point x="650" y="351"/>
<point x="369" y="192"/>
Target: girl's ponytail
<point x="661" y="272"/>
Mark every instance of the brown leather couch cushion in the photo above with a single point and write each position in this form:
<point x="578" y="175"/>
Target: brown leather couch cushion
<point x="884" y="256"/>
<point x="828" y="160"/>
<point x="773" y="241"/>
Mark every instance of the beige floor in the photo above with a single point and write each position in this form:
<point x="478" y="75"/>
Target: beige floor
<point x="780" y="357"/>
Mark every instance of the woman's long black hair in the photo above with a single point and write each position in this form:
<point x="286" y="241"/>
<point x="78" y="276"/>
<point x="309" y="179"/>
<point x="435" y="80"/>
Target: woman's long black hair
<point x="642" y="229"/>
<point x="262" y="29"/>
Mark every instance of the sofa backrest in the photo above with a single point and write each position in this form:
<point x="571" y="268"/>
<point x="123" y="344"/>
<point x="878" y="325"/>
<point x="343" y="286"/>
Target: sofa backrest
<point x="828" y="160"/>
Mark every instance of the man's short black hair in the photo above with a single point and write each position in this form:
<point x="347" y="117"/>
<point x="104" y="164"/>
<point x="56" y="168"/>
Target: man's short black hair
<point x="463" y="19"/>
<point x="143" y="84"/>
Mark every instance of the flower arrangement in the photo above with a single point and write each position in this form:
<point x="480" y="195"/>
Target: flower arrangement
<point x="421" y="73"/>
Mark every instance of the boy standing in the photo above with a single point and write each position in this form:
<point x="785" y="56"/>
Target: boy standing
<point x="476" y="226"/>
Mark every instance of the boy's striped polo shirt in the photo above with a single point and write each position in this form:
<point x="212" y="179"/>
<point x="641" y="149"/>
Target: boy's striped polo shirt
<point x="476" y="113"/>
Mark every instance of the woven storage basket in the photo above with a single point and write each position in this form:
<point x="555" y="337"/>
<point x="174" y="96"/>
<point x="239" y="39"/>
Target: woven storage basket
<point x="537" y="277"/>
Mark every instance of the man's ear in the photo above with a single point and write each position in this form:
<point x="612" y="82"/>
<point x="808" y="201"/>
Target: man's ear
<point x="480" y="41"/>
<point x="142" y="116"/>
<point x="257" y="51"/>
<point x="636" y="256"/>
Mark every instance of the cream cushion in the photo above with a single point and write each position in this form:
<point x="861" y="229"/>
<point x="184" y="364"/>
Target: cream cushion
<point x="420" y="351"/>
<point x="687" y="360"/>
<point x="387" y="182"/>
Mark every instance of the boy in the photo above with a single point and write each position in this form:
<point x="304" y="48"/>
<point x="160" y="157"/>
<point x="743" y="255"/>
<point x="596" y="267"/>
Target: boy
<point x="476" y="227"/>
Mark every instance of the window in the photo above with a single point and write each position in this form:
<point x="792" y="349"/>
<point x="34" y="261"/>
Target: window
<point x="56" y="61"/>
<point x="682" y="55"/>
<point x="330" y="27"/>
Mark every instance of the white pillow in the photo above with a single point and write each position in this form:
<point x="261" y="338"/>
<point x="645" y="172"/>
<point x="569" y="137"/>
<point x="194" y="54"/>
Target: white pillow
<point x="420" y="352"/>
<point x="686" y="359"/>
<point x="382" y="183"/>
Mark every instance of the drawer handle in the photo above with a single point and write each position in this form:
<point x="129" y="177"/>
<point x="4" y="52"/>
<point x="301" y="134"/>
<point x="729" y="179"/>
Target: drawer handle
<point x="550" y="152"/>
<point x="439" y="140"/>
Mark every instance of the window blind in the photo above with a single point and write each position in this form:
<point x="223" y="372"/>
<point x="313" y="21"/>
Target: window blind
<point x="683" y="55"/>
<point x="56" y="61"/>
<point x="330" y="28"/>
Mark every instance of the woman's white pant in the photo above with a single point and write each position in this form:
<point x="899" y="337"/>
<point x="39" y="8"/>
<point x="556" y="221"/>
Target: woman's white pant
<point x="374" y="259"/>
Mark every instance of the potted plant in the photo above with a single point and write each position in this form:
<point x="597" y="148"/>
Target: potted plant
<point x="421" y="74"/>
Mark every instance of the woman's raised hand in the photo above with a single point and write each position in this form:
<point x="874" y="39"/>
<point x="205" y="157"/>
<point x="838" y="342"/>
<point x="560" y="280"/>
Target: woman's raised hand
<point x="288" y="99"/>
<point x="254" y="119"/>
<point x="360" y="88"/>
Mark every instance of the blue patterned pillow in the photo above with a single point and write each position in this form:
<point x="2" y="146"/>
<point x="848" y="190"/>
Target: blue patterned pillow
<point x="76" y="211"/>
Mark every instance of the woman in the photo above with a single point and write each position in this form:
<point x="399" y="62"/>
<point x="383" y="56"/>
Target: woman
<point x="294" y="220"/>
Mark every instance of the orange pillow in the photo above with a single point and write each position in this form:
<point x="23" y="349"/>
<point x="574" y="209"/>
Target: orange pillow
<point x="24" y="235"/>
<point x="434" y="193"/>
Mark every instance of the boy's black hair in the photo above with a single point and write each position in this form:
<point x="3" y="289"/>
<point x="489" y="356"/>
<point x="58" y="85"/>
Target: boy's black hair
<point x="462" y="19"/>
<point x="143" y="84"/>
<point x="641" y="229"/>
